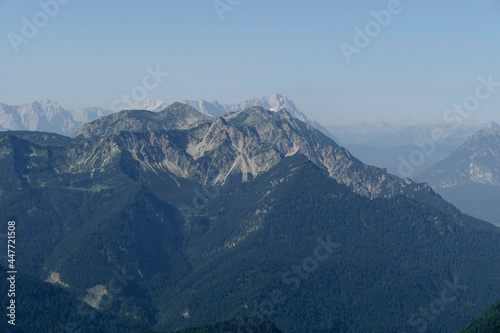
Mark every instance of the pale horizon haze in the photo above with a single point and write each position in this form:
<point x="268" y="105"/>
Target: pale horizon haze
<point x="427" y="57"/>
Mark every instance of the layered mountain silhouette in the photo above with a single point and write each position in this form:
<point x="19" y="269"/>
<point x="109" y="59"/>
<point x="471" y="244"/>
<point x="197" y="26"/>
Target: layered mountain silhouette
<point x="470" y="176"/>
<point x="46" y="116"/>
<point x="274" y="102"/>
<point x="384" y="144"/>
<point x="175" y="219"/>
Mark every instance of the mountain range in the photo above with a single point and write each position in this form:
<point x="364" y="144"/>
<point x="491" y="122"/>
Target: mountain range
<point x="46" y="116"/>
<point x="274" y="102"/>
<point x="254" y="140"/>
<point x="385" y="145"/>
<point x="470" y="177"/>
<point x="173" y="219"/>
<point x="49" y="116"/>
<point x="389" y="135"/>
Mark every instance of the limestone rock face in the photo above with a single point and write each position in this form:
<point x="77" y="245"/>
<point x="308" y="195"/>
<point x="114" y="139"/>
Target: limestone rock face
<point x="191" y="145"/>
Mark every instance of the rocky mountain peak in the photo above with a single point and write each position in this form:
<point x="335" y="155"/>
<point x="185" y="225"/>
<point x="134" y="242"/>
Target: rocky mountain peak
<point x="274" y="102"/>
<point x="176" y="116"/>
<point x="153" y="105"/>
<point x="493" y="125"/>
<point x="46" y="103"/>
<point x="249" y="143"/>
<point x="477" y="161"/>
<point x="490" y="129"/>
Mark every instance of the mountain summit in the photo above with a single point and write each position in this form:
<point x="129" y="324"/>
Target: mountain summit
<point x="274" y="102"/>
<point x="477" y="161"/>
<point x="470" y="177"/>
<point x="248" y="142"/>
<point x="176" y="116"/>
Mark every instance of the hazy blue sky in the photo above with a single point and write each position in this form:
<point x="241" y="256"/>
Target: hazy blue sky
<point x="91" y="52"/>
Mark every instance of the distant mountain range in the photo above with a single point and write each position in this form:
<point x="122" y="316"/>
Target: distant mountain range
<point x="174" y="219"/>
<point x="274" y="102"/>
<point x="47" y="116"/>
<point x="387" y="135"/>
<point x="470" y="176"/>
<point x="384" y="144"/>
